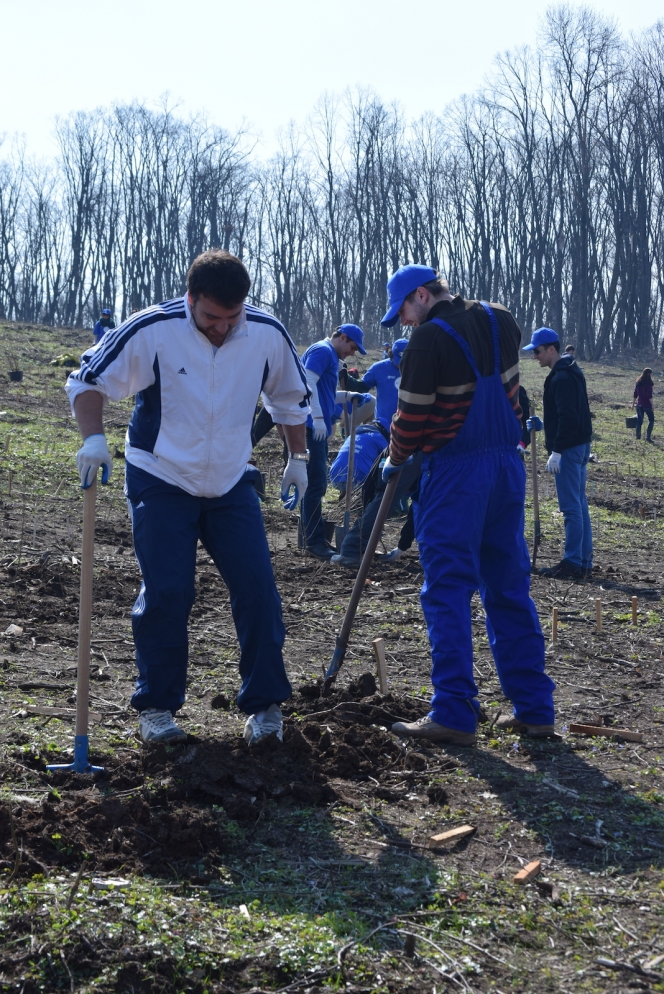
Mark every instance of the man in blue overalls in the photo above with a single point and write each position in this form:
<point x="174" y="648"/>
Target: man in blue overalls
<point x="458" y="405"/>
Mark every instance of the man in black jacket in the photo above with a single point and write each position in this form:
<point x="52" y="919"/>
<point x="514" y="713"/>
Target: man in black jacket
<point x="567" y="433"/>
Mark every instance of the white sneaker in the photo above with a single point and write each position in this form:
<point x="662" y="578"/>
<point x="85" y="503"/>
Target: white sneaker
<point x="264" y="723"/>
<point x="158" y="726"/>
<point x="393" y="556"/>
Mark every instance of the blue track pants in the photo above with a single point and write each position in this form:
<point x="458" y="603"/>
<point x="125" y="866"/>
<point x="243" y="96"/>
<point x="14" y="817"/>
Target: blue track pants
<point x="167" y="524"/>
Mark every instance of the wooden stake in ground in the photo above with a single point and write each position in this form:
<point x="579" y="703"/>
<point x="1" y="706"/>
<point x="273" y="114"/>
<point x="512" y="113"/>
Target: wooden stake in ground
<point x="635" y="602"/>
<point x="554" y="625"/>
<point x="598" y="614"/>
<point x="536" y="516"/>
<point x="378" y="646"/>
<point x="81" y="763"/>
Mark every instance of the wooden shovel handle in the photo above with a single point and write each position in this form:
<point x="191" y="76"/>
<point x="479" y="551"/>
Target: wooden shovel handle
<point x="85" y="610"/>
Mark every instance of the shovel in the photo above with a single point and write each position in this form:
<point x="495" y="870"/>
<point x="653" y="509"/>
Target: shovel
<point x="341" y="531"/>
<point x="81" y="763"/>
<point x="533" y="456"/>
<point x="358" y="587"/>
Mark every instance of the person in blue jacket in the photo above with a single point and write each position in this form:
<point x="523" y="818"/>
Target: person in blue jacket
<point x="370" y="440"/>
<point x="384" y="377"/>
<point x="321" y="363"/>
<point x="103" y="324"/>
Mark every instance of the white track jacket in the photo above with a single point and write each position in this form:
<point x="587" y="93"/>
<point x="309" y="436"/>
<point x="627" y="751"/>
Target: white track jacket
<point x="191" y="425"/>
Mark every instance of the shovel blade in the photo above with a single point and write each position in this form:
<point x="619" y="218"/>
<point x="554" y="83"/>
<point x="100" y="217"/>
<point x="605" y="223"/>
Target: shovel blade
<point x="340" y="533"/>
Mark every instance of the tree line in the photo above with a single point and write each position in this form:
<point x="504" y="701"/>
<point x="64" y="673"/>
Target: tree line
<point x="544" y="191"/>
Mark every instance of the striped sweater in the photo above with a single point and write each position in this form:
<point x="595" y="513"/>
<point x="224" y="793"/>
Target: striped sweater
<point x="437" y="384"/>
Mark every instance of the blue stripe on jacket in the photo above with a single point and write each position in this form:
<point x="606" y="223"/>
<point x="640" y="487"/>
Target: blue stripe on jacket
<point x="253" y="314"/>
<point x="114" y="343"/>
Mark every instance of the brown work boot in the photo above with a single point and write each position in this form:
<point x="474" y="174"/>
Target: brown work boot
<point x="425" y="728"/>
<point x="507" y="724"/>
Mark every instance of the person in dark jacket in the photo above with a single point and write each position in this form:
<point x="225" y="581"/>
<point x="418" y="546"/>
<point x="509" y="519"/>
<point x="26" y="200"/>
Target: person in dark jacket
<point x="643" y="398"/>
<point x="567" y="433"/>
<point x="103" y="325"/>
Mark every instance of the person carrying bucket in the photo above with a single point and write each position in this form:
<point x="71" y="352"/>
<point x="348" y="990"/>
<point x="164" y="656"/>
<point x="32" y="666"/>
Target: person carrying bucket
<point x="643" y="399"/>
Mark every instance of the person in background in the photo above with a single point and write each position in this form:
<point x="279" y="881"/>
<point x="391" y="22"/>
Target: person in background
<point x="643" y="399"/>
<point x="386" y="350"/>
<point x="384" y="377"/>
<point x="355" y="542"/>
<point x="567" y="433"/>
<point x="570" y="350"/>
<point x="524" y="404"/>
<point x="321" y="363"/>
<point x="103" y="324"/>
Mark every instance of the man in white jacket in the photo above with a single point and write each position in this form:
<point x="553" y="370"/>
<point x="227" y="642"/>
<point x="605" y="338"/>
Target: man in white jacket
<point x="197" y="365"/>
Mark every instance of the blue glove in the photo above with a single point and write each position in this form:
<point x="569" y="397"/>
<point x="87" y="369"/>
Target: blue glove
<point x="294" y="483"/>
<point x="535" y="423"/>
<point x="359" y="400"/>
<point x="92" y="456"/>
<point x="389" y="469"/>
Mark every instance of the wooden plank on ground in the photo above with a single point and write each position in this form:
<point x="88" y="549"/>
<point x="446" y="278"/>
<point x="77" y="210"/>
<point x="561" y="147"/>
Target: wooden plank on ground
<point x="528" y="872"/>
<point x="606" y="731"/>
<point x="59" y="712"/>
<point x="452" y="835"/>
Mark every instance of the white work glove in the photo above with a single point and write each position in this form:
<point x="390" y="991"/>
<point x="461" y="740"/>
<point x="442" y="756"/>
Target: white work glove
<point x="320" y="430"/>
<point x="295" y="476"/>
<point x="92" y="455"/>
<point x="553" y="465"/>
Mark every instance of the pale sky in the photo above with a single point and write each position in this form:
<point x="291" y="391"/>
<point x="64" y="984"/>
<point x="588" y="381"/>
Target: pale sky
<point x="264" y="62"/>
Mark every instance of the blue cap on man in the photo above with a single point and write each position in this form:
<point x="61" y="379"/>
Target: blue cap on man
<point x="543" y="336"/>
<point x="398" y="349"/>
<point x="355" y="334"/>
<point x="106" y="312"/>
<point x="404" y="281"/>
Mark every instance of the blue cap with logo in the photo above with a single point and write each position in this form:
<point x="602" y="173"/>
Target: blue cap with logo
<point x="543" y="336"/>
<point x="106" y="312"/>
<point x="404" y="281"/>
<point x="398" y="349"/>
<point x="355" y="334"/>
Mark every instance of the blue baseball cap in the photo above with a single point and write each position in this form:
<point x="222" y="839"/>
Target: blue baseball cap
<point x="398" y="349"/>
<point x="404" y="281"/>
<point x="355" y="334"/>
<point x="107" y="311"/>
<point x="543" y="336"/>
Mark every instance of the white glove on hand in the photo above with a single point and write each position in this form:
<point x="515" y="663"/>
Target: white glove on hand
<point x="320" y="430"/>
<point x="553" y="465"/>
<point x="295" y="476"/>
<point x="92" y="455"/>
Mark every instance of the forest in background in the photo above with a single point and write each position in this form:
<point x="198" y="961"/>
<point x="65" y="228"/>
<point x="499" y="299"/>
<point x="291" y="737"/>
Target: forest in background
<point x="544" y="191"/>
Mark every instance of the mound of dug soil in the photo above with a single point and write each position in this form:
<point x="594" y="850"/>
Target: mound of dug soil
<point x="171" y="809"/>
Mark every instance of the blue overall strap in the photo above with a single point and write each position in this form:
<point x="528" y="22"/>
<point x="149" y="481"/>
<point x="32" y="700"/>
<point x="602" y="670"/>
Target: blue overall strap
<point x="461" y="342"/>
<point x="493" y="321"/>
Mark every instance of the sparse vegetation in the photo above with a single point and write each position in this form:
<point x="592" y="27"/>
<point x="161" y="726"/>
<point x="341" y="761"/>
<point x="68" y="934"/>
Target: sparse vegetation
<point x="204" y="868"/>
